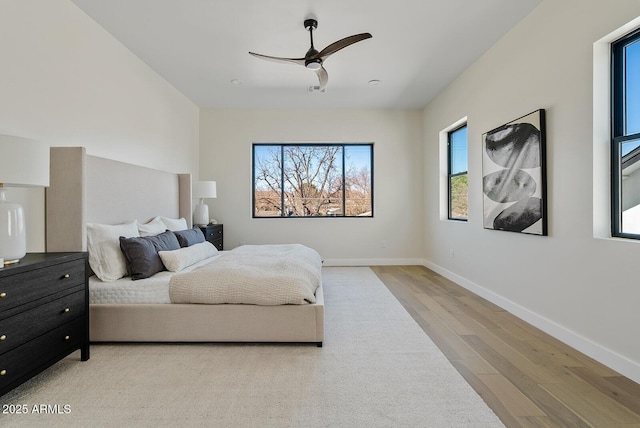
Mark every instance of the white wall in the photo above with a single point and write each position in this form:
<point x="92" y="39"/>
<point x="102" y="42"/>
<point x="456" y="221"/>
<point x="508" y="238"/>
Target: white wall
<point x="583" y="290"/>
<point x="226" y="137"/>
<point x="67" y="82"/>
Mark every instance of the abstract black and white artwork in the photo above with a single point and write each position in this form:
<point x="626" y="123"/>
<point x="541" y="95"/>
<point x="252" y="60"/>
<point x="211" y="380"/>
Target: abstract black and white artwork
<point x="514" y="176"/>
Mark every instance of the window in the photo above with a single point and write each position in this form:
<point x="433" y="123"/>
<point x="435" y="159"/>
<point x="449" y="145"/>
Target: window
<point x="625" y="142"/>
<point x="312" y="180"/>
<point x="457" y="173"/>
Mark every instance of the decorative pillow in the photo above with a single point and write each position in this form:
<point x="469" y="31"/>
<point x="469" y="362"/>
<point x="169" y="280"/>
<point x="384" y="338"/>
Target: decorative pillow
<point x="188" y="237"/>
<point x="174" y="223"/>
<point x="105" y="258"/>
<point x="154" y="227"/>
<point x="142" y="253"/>
<point x="177" y="260"/>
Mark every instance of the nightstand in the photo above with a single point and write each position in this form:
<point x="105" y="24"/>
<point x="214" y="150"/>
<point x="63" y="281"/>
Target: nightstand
<point x="213" y="234"/>
<point x="44" y="314"/>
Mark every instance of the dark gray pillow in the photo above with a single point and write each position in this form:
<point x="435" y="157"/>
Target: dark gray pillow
<point x="188" y="237"/>
<point x="142" y="256"/>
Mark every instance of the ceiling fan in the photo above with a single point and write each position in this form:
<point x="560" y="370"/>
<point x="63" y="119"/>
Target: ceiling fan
<point x="313" y="60"/>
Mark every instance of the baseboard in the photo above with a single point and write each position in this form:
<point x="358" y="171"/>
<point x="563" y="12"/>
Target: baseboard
<point x="373" y="262"/>
<point x="599" y="353"/>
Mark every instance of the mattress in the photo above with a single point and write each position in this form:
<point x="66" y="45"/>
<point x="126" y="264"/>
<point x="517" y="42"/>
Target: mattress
<point x="125" y="291"/>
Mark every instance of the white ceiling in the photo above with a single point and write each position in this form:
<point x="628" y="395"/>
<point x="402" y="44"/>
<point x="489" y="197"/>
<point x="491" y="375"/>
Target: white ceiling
<point x="200" y="46"/>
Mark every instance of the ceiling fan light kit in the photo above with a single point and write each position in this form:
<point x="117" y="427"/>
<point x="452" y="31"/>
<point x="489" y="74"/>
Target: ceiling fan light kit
<point x="313" y="64"/>
<point x="314" y="60"/>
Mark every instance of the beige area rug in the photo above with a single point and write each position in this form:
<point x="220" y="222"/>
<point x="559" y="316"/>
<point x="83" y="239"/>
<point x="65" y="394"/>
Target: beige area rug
<point x="377" y="369"/>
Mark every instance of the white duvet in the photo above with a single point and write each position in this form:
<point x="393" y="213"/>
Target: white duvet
<point x="252" y="274"/>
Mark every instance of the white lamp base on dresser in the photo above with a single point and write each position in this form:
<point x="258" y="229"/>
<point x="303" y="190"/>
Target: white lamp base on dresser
<point x="13" y="241"/>
<point x="201" y="214"/>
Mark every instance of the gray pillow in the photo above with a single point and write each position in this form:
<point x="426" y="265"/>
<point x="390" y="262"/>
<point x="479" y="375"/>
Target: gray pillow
<point x="188" y="237"/>
<point x="141" y="253"/>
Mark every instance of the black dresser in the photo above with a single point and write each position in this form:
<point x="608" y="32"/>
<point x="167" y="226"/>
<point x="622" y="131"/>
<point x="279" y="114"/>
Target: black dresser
<point x="44" y="314"/>
<point x="213" y="234"/>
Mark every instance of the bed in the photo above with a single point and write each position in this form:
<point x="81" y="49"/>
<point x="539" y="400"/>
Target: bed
<point x="87" y="189"/>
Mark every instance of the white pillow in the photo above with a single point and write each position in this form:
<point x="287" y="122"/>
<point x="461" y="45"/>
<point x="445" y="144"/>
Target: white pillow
<point x="103" y="243"/>
<point x="174" y="223"/>
<point x="152" y="228"/>
<point x="176" y="260"/>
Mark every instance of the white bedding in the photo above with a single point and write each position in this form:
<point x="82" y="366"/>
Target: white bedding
<point x="125" y="291"/>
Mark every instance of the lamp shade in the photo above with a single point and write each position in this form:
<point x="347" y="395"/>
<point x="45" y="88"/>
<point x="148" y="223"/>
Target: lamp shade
<point x="204" y="189"/>
<point x="22" y="163"/>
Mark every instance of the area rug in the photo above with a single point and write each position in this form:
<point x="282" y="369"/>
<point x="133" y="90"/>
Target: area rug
<point x="377" y="369"/>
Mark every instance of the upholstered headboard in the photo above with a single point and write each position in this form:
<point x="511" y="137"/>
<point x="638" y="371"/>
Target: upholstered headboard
<point x="87" y="189"/>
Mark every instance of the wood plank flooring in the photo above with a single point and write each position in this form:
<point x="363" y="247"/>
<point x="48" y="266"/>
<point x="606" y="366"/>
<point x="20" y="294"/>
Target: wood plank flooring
<point x="527" y="377"/>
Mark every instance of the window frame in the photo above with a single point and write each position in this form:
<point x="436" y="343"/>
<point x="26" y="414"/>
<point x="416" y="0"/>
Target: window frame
<point x="282" y="194"/>
<point x="450" y="176"/>
<point x="618" y="132"/>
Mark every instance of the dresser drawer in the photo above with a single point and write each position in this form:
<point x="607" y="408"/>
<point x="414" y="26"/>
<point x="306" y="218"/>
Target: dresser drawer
<point x="25" y="287"/>
<point x="36" y="321"/>
<point x="30" y="358"/>
<point x="213" y="233"/>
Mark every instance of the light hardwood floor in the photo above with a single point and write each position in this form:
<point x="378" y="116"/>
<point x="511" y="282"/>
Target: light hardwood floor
<point x="527" y="377"/>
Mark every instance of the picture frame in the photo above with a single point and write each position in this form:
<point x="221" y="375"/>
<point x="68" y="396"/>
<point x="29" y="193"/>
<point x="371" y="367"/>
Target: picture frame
<point x="514" y="176"/>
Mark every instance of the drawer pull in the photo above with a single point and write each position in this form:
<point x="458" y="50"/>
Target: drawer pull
<point x="66" y="275"/>
<point x="3" y="295"/>
<point x="67" y="337"/>
<point x="3" y="337"/>
<point x="66" y="310"/>
<point x="3" y="372"/>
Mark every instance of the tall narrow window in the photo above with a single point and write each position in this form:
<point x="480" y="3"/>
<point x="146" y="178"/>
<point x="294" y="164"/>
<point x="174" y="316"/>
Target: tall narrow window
<point x="457" y="173"/>
<point x="313" y="180"/>
<point x="625" y="142"/>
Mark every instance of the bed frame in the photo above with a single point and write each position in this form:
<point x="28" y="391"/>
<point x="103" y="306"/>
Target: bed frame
<point x="87" y="189"/>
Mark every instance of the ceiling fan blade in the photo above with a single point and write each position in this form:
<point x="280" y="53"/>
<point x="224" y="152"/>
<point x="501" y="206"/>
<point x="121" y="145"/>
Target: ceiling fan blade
<point x="341" y="44"/>
<point x="299" y="61"/>
<point x="323" y="77"/>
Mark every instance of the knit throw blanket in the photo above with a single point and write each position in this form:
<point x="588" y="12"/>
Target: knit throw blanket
<point x="254" y="275"/>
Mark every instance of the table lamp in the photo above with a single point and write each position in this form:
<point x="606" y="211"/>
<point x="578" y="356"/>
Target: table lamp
<point x="202" y="190"/>
<point x="23" y="163"/>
